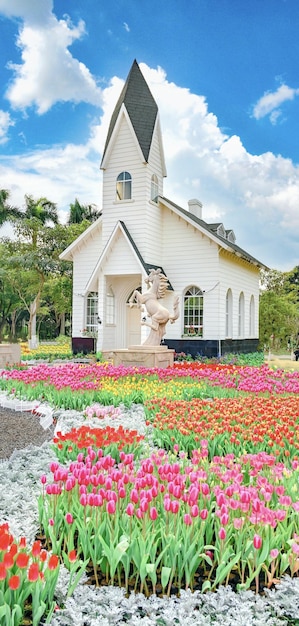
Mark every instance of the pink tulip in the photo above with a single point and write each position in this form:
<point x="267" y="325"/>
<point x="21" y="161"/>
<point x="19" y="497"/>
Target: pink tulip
<point x="174" y="506"/>
<point x="110" y="507"/>
<point x="167" y="503"/>
<point x="194" y="510"/>
<point x="83" y="499"/>
<point x="274" y="553"/>
<point x="238" y="522"/>
<point x="203" y="514"/>
<point x="205" y="489"/>
<point x="69" y="518"/>
<point x="257" y="542"/>
<point x="144" y="505"/>
<point x="224" y="519"/>
<point x="187" y="519"/>
<point x="153" y="513"/>
<point x="134" y="496"/>
<point x="222" y="534"/>
<point x="130" y="509"/>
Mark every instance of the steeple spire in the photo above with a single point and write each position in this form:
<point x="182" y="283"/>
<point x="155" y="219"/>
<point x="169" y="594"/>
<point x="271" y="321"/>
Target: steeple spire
<point x="141" y="108"/>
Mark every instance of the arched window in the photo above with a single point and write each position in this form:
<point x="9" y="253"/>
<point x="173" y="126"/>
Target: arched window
<point x="154" y="188"/>
<point x="92" y="312"/>
<point x="252" y="317"/>
<point x="229" y="313"/>
<point x="110" y="306"/>
<point x="193" y="312"/>
<point x="241" y="315"/>
<point x="124" y="186"/>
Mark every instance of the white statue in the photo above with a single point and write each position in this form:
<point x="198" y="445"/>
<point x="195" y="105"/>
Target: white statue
<point x="157" y="313"/>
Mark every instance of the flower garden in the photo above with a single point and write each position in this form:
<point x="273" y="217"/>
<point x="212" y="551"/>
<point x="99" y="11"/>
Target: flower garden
<point x="207" y="497"/>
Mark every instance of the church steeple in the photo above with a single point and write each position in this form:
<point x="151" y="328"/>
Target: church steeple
<point x="141" y="108"/>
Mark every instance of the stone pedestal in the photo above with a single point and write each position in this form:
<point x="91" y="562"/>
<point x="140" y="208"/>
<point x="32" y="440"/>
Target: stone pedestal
<point x="141" y="356"/>
<point x="10" y="354"/>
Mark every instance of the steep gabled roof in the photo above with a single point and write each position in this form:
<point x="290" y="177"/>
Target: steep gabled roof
<point x="141" y="107"/>
<point x="146" y="267"/>
<point x="67" y="254"/>
<point x="211" y="229"/>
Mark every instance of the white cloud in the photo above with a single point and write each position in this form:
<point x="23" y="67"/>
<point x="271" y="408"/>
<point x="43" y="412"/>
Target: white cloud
<point x="32" y="10"/>
<point x="48" y="72"/>
<point x="126" y="27"/>
<point x="5" y="123"/>
<point x="59" y="173"/>
<point x="271" y="101"/>
<point x="255" y="195"/>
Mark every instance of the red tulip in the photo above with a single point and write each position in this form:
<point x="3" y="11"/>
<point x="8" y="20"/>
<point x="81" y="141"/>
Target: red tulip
<point x="22" y="560"/>
<point x="2" y="571"/>
<point x="33" y="572"/>
<point x="14" y="582"/>
<point x="53" y="562"/>
<point x="72" y="556"/>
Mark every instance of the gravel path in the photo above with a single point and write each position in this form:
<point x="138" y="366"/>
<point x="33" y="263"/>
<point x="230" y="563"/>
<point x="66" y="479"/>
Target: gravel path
<point x="19" y="429"/>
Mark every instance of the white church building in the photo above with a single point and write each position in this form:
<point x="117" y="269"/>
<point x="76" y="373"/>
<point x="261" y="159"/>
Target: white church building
<point x="217" y="281"/>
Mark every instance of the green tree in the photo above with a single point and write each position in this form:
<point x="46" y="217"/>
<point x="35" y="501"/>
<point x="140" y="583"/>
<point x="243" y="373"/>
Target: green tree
<point x="38" y="213"/>
<point x="80" y="212"/>
<point x="8" y="213"/>
<point x="29" y="256"/>
<point x="10" y="303"/>
<point x="278" y="320"/>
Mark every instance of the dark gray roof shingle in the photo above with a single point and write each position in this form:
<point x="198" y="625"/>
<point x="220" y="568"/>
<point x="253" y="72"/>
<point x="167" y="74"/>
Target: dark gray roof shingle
<point x="141" y="107"/>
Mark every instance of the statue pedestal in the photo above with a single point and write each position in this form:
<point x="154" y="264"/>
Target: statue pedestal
<point x="10" y="354"/>
<point x="141" y="356"/>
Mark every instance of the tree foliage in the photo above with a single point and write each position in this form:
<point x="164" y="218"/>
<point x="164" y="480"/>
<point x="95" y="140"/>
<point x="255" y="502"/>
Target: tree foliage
<point x="279" y="309"/>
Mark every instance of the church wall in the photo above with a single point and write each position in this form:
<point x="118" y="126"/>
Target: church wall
<point x="85" y="259"/>
<point x="186" y="256"/>
<point x="239" y="276"/>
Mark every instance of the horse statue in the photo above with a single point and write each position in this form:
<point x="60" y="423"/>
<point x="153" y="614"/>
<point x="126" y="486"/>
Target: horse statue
<point x="158" y="315"/>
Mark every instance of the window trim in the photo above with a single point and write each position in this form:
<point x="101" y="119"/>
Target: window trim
<point x="193" y="313"/>
<point x="154" y="188"/>
<point x="229" y="314"/>
<point x="241" y="315"/>
<point x="110" y="307"/>
<point x="91" y="312"/>
<point x="252" y="316"/>
<point x="123" y="186"/>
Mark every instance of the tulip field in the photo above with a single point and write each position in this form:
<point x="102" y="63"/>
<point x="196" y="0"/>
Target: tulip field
<point x="208" y="496"/>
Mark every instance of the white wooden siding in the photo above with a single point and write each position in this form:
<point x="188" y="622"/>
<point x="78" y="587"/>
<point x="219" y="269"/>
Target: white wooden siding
<point x="140" y="215"/>
<point x="84" y="262"/>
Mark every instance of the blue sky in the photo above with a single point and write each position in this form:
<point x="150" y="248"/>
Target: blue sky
<point x="224" y="74"/>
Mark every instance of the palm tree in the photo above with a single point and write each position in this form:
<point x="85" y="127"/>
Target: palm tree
<point x="79" y="212"/>
<point x="8" y="213"/>
<point x="28" y="224"/>
<point x="37" y="214"/>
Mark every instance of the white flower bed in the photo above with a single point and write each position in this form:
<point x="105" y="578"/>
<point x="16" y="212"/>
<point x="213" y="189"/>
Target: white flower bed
<point x="107" y="606"/>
